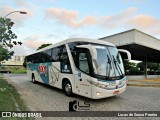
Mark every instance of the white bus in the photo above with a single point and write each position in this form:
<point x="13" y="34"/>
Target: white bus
<point x="87" y="67"/>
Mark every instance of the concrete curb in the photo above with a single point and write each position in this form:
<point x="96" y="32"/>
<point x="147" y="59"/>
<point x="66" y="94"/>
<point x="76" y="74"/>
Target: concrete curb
<point x="142" y="85"/>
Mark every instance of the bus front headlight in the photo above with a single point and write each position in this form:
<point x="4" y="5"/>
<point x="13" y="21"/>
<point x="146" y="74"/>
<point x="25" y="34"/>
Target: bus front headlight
<point x="97" y="93"/>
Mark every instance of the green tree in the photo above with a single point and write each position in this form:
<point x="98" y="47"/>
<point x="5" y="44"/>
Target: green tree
<point x="141" y="66"/>
<point x="150" y="65"/>
<point x="131" y="68"/>
<point x="7" y="38"/>
<point x="6" y="34"/>
<point x="43" y="46"/>
<point x="5" y="54"/>
<point x="24" y="63"/>
<point x="129" y="65"/>
<point x="152" y="68"/>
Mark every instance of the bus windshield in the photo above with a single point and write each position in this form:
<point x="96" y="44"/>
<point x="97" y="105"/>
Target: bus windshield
<point x="107" y="62"/>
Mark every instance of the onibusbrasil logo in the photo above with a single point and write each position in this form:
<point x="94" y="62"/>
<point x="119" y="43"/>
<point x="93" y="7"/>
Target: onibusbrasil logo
<point x="77" y="106"/>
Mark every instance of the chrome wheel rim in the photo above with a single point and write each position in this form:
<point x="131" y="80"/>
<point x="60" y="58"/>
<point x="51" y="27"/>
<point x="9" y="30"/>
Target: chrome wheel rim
<point x="68" y="88"/>
<point x="33" y="79"/>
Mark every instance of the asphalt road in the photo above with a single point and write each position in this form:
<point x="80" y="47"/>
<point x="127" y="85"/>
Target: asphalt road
<point x="41" y="97"/>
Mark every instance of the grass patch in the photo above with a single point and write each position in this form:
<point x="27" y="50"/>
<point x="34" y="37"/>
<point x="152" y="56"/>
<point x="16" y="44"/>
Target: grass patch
<point x="18" y="70"/>
<point x="14" y="69"/>
<point x="8" y="97"/>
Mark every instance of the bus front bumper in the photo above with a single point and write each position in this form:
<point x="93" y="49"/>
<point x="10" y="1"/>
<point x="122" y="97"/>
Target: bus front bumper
<point x="99" y="93"/>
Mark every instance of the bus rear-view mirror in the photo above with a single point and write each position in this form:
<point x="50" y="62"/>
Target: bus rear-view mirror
<point x="126" y="52"/>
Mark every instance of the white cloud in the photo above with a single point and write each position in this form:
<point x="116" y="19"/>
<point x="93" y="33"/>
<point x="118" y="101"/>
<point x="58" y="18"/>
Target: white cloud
<point x="127" y="18"/>
<point x="22" y="50"/>
<point x="69" y="17"/>
<point x="145" y="22"/>
<point x="33" y="41"/>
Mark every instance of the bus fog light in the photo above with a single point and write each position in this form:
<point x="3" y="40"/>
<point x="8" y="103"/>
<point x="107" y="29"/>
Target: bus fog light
<point x="97" y="93"/>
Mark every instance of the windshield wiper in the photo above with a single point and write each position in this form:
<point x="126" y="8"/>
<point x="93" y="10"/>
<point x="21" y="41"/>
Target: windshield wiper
<point x="110" y="67"/>
<point x="118" y="68"/>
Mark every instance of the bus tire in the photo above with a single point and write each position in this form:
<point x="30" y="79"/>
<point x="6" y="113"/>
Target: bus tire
<point x="68" y="88"/>
<point x="33" y="79"/>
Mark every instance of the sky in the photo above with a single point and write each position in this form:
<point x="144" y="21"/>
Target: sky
<point x="52" y="21"/>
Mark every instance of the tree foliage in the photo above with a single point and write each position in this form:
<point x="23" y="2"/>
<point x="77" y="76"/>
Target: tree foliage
<point x="131" y="68"/>
<point x="150" y="65"/>
<point x="5" y="54"/>
<point x="24" y="63"/>
<point x="6" y="34"/>
<point x="129" y="65"/>
<point x="43" y="46"/>
<point x="137" y="69"/>
<point x="7" y="38"/>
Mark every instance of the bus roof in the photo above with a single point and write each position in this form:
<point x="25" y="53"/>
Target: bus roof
<point x="75" y="40"/>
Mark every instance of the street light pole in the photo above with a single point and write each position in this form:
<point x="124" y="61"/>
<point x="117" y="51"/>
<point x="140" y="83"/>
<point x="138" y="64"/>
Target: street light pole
<point x="21" y="12"/>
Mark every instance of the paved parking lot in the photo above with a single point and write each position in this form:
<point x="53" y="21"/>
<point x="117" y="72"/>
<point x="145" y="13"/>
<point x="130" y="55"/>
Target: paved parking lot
<point x="40" y="97"/>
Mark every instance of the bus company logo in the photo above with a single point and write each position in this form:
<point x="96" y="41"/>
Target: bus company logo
<point x="42" y="69"/>
<point x="76" y="106"/>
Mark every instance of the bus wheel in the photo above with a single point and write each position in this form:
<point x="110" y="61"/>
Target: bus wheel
<point x="33" y="79"/>
<point x="68" y="88"/>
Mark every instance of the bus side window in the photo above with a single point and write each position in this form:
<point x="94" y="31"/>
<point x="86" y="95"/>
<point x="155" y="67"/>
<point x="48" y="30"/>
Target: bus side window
<point x="83" y="62"/>
<point x="65" y="64"/>
<point x="55" y="54"/>
<point x="46" y="56"/>
<point x="64" y="56"/>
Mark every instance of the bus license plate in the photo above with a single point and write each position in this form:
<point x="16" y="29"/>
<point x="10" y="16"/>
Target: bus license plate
<point x="116" y="92"/>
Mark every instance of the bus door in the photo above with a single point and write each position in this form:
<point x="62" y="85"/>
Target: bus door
<point x="82" y="86"/>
